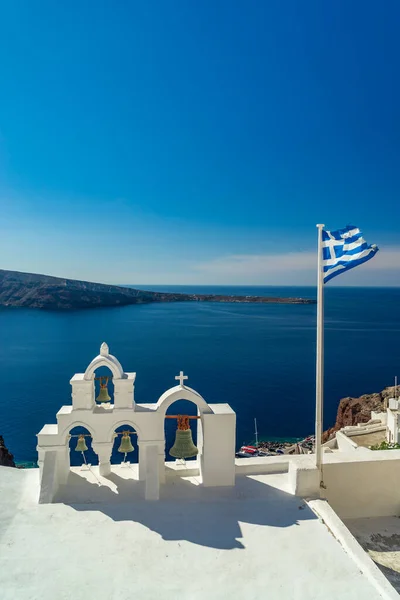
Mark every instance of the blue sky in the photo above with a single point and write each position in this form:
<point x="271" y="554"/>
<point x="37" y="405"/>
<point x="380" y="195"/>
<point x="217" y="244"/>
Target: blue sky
<point x="198" y="142"/>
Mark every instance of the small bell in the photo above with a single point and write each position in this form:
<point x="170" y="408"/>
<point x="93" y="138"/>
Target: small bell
<point x="103" y="394"/>
<point x="81" y="445"/>
<point x="183" y="446"/>
<point x="126" y="444"/>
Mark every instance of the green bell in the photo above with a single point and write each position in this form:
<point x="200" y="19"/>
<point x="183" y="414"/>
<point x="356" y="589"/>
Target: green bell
<point x="126" y="444"/>
<point x="81" y="445"/>
<point x="183" y="447"/>
<point x="103" y="394"/>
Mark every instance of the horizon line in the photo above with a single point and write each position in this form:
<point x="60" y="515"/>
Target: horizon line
<point x="255" y="285"/>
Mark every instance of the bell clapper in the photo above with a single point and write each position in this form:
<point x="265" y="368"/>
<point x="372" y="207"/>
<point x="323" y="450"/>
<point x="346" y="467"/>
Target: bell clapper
<point x="125" y="463"/>
<point x="85" y="466"/>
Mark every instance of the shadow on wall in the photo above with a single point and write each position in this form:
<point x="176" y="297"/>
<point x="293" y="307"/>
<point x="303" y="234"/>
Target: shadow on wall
<point x="204" y="516"/>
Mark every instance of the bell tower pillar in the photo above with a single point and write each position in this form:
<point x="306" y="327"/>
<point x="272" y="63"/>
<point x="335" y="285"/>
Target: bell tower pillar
<point x="152" y="484"/>
<point x="219" y="440"/>
<point x="103" y="451"/>
<point x="124" y="392"/>
<point x="82" y="392"/>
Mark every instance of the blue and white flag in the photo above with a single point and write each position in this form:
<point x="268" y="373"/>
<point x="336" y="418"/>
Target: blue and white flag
<point x="344" y="249"/>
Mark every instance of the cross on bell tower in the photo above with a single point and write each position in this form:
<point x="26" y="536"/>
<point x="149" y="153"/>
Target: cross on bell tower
<point x="181" y="377"/>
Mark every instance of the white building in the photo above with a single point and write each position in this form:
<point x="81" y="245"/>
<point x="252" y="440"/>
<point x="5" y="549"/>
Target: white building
<point x="393" y="421"/>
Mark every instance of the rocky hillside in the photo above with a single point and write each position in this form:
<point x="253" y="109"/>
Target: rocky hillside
<point x="352" y="411"/>
<point x="30" y="290"/>
<point x="6" y="458"/>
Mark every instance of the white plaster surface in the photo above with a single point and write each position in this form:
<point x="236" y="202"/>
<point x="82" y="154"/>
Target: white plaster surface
<point x="363" y="484"/>
<point x="360" y="483"/>
<point x="249" y="541"/>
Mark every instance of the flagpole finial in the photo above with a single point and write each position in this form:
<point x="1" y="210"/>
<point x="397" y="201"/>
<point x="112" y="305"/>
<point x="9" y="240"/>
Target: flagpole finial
<point x="320" y="226"/>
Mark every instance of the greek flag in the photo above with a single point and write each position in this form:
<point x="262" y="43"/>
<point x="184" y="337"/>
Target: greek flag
<point x="344" y="249"/>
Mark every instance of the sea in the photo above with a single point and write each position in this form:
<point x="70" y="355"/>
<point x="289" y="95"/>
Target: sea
<point x="259" y="358"/>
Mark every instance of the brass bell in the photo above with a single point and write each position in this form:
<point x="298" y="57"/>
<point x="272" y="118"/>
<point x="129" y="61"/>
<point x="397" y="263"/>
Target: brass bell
<point x="126" y="444"/>
<point x="81" y="445"/>
<point x="183" y="446"/>
<point x="103" y="394"/>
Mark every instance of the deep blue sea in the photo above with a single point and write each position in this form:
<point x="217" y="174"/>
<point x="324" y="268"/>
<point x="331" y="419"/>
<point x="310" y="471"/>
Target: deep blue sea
<point x="258" y="358"/>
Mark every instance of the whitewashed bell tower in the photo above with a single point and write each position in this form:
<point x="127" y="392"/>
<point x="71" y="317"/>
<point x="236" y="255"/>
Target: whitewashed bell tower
<point x="215" y="463"/>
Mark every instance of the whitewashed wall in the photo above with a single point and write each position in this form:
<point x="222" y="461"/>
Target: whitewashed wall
<point x="345" y="443"/>
<point x="364" y="484"/>
<point x="392" y="426"/>
<point x="382" y="416"/>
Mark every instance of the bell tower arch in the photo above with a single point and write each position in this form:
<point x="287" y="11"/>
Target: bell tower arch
<point x="83" y="389"/>
<point x="216" y="425"/>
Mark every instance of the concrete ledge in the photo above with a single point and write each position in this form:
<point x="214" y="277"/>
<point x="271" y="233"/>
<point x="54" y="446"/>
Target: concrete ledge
<point x="352" y="431"/>
<point x="356" y="457"/>
<point x="191" y="469"/>
<point x="261" y="465"/>
<point x="49" y="430"/>
<point x="349" y="543"/>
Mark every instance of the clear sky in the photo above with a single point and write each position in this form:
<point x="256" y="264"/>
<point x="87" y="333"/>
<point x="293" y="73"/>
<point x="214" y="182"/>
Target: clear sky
<point x="178" y="141"/>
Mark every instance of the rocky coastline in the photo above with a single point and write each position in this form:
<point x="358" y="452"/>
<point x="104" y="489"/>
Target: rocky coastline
<point x="30" y="290"/>
<point x="302" y="446"/>
<point x="352" y="411"/>
<point x="6" y="458"/>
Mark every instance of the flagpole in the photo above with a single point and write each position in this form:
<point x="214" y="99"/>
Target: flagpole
<point x="320" y="358"/>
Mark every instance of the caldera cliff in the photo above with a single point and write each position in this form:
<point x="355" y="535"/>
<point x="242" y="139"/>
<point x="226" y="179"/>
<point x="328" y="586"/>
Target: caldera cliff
<point x="352" y="411"/>
<point x="30" y="290"/>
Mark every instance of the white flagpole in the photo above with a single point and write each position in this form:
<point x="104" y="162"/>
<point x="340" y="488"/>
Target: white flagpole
<point x="320" y="359"/>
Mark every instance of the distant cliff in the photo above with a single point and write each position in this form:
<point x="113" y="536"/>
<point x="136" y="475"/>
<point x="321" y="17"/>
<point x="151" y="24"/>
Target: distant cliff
<point x="352" y="411"/>
<point x="30" y="290"/>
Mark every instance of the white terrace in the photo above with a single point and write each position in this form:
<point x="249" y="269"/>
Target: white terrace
<point x="251" y="540"/>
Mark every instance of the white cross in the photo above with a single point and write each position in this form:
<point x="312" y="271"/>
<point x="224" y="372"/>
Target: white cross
<point x="181" y="377"/>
